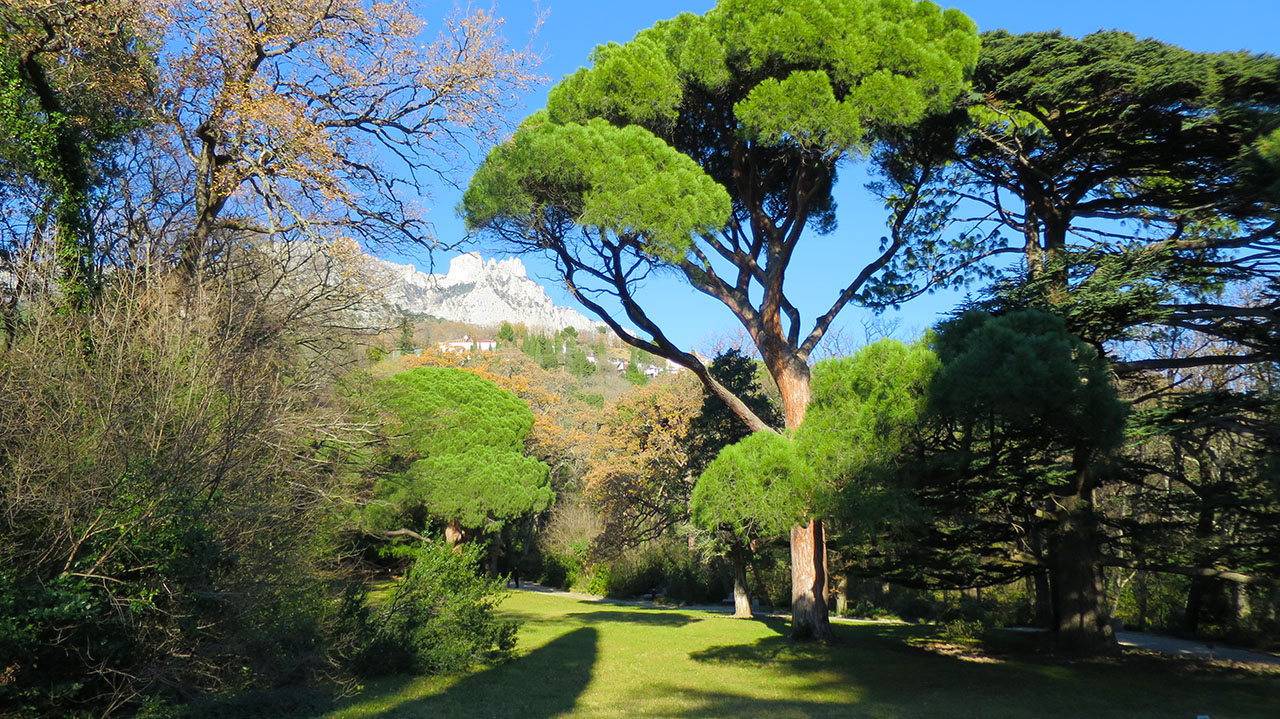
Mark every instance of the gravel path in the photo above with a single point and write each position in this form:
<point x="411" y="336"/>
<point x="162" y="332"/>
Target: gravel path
<point x="1137" y="640"/>
<point x="1187" y="648"/>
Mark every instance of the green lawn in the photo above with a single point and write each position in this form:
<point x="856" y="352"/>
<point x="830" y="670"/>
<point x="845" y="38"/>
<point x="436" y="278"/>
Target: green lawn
<point x="590" y="659"/>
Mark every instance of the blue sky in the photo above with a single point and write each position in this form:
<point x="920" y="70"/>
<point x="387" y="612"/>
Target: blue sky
<point x="572" y="28"/>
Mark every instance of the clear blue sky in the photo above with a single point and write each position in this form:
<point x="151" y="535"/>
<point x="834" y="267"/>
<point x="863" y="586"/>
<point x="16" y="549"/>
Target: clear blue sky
<point x="572" y="28"/>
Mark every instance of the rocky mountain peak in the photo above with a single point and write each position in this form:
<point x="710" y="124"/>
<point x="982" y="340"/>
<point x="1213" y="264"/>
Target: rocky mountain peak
<point x="476" y="291"/>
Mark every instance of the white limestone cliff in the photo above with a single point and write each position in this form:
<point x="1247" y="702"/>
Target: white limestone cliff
<point x="474" y="291"/>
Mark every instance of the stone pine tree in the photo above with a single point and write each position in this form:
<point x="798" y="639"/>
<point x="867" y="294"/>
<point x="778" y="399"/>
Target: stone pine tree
<point x="861" y="427"/>
<point x="460" y="457"/>
<point x="709" y="145"/>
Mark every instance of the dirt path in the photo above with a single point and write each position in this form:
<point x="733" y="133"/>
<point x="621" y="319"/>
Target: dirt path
<point x="1136" y="640"/>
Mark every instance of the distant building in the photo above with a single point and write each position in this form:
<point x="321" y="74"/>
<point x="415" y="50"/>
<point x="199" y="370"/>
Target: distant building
<point x="467" y="344"/>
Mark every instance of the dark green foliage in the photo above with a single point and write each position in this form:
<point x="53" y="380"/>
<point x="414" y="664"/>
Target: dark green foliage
<point x="578" y="364"/>
<point x="1026" y="377"/>
<point x="669" y="569"/>
<point x="405" y="343"/>
<point x="1177" y="145"/>
<point x="1198" y="492"/>
<point x="1015" y="409"/>
<point x="633" y="373"/>
<point x="1140" y="179"/>
<point x="441" y="617"/>
<point x="716" y="426"/>
<point x="1159" y="127"/>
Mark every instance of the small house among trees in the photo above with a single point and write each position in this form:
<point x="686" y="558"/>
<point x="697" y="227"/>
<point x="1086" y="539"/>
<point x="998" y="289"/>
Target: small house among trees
<point x="467" y="344"/>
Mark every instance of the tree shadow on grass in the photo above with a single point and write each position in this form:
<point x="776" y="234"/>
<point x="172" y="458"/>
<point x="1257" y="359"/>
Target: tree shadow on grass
<point x="653" y="618"/>
<point x="544" y="683"/>
<point x="881" y="671"/>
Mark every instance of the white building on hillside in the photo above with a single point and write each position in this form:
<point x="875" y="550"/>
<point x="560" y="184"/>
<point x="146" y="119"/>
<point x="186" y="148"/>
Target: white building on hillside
<point x="467" y="344"/>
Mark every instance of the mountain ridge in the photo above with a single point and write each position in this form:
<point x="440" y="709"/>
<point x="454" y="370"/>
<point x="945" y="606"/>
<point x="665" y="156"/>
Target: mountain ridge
<point x="474" y="291"/>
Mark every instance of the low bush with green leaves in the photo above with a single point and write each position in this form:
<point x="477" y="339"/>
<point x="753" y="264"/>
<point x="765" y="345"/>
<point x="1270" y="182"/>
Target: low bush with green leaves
<point x="441" y="617"/>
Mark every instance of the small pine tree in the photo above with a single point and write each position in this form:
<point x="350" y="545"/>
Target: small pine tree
<point x="406" y="335"/>
<point x="579" y="366"/>
<point x="634" y="375"/>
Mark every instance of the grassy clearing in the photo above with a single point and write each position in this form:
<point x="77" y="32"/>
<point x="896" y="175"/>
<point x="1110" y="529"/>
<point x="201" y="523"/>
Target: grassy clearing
<point x="590" y="659"/>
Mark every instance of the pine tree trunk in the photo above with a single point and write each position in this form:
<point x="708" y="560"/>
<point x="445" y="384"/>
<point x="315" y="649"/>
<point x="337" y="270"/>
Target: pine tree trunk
<point x="1045" y="616"/>
<point x="1083" y="624"/>
<point x="1195" y="603"/>
<point x="841" y="594"/>
<point x="1240" y="602"/>
<point x="453" y="534"/>
<point x="809" y="619"/>
<point x="741" y="594"/>
<point x="1200" y="586"/>
<point x="495" y="549"/>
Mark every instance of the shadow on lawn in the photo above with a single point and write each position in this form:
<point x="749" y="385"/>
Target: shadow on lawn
<point x="654" y="617"/>
<point x="544" y="683"/>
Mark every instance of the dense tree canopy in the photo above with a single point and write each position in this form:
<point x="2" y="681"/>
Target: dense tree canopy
<point x="1138" y="179"/>
<point x="760" y="487"/>
<point x="709" y="144"/>
<point x="1005" y="464"/>
<point x="463" y="451"/>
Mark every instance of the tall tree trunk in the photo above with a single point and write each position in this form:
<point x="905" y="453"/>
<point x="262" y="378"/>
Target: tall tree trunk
<point x="741" y="594"/>
<point x="809" y="618"/>
<point x="1141" y="595"/>
<point x="1046" y="616"/>
<point x="495" y="549"/>
<point x="1240" y="602"/>
<point x="69" y="174"/>
<point x="841" y="587"/>
<point x="1201" y="587"/>
<point x="1075" y="562"/>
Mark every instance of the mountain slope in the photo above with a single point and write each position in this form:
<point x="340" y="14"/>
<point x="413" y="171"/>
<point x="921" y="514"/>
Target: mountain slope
<point x="473" y="291"/>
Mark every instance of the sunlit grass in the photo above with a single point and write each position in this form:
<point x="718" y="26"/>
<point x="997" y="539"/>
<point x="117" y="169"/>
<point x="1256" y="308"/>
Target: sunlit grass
<point x="588" y="659"/>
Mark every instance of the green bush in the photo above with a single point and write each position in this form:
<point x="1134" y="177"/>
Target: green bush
<point x="680" y="575"/>
<point x="441" y="617"/>
<point x="962" y="630"/>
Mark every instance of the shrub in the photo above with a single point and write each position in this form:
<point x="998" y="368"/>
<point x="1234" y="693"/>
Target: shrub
<point x="962" y="630"/>
<point x="165" y="468"/>
<point x="441" y="617"/>
<point x="669" y="566"/>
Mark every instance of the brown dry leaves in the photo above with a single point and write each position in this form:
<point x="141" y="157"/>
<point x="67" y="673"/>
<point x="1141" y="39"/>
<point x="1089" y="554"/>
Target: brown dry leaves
<point x="306" y="114"/>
